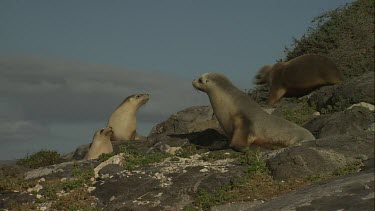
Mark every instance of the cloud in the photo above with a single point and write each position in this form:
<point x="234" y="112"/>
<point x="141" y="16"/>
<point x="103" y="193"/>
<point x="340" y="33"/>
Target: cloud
<point x="65" y="91"/>
<point x="38" y="95"/>
<point x="17" y="130"/>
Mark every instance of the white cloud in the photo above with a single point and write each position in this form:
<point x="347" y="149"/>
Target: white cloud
<point x="14" y="130"/>
<point x="37" y="92"/>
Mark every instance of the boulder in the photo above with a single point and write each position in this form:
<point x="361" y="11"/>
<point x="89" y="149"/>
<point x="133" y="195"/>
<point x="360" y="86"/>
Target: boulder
<point x="193" y="119"/>
<point x="352" y="120"/>
<point x="322" y="156"/>
<point x="359" y="89"/>
<point x="169" y="185"/>
<point x="351" y="192"/>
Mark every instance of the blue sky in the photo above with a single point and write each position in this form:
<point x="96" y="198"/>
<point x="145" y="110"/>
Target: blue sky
<point x="58" y="57"/>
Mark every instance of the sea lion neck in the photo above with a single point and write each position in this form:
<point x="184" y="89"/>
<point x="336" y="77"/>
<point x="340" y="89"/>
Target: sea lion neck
<point x="127" y="108"/>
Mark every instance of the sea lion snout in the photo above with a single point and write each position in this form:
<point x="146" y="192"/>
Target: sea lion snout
<point x="146" y="97"/>
<point x="106" y="131"/>
<point x="197" y="83"/>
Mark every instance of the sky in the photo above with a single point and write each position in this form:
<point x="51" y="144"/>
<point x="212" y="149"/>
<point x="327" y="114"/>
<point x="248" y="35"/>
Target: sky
<point x="66" y="65"/>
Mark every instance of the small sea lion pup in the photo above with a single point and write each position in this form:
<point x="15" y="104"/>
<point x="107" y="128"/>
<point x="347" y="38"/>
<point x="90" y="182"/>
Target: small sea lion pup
<point x="298" y="76"/>
<point x="123" y="120"/>
<point x="101" y="143"/>
<point x="243" y="120"/>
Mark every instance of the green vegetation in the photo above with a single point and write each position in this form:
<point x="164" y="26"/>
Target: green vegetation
<point x="12" y="180"/>
<point x="300" y="115"/>
<point x="74" y="197"/>
<point x="133" y="158"/>
<point x="188" y="150"/>
<point x="79" y="179"/>
<point x="41" y="159"/>
<point x="206" y="199"/>
<point x="346" y="35"/>
<point x="257" y="184"/>
<point x="349" y="169"/>
<point x="105" y="156"/>
<point x="219" y="155"/>
<point x="15" y="206"/>
<point x="252" y="160"/>
<point x="80" y="199"/>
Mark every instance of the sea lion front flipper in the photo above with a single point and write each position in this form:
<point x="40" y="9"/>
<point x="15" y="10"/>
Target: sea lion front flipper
<point x="240" y="133"/>
<point x="276" y="94"/>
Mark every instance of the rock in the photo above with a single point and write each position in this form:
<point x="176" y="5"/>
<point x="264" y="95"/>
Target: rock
<point x="36" y="189"/>
<point x="6" y="199"/>
<point x="364" y="105"/>
<point x="359" y="89"/>
<point x="269" y="110"/>
<point x="345" y="138"/>
<point x="59" y="170"/>
<point x="193" y="119"/>
<point x="169" y="185"/>
<point x="116" y="159"/>
<point x="81" y="152"/>
<point x="352" y="192"/>
<point x="298" y="112"/>
<point x="322" y="156"/>
<point x="353" y="120"/>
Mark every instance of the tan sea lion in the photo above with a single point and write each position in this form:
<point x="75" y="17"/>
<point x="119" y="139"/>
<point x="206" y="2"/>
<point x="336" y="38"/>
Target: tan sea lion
<point x="101" y="143"/>
<point x="244" y="122"/>
<point x="298" y="76"/>
<point x="123" y="120"/>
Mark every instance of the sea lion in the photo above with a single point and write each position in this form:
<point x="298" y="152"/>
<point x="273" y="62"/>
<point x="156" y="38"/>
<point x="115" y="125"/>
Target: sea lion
<point x="244" y="122"/>
<point x="123" y="120"/>
<point x="101" y="143"/>
<point x="299" y="76"/>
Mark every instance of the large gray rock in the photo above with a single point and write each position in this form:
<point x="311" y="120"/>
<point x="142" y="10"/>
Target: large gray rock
<point x="193" y="119"/>
<point x="352" y="120"/>
<point x="169" y="185"/>
<point x="195" y="125"/>
<point x="322" y="156"/>
<point x="352" y="193"/>
<point x="359" y="89"/>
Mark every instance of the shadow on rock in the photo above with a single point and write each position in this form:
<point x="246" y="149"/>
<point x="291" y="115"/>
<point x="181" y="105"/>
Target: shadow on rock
<point x="209" y="138"/>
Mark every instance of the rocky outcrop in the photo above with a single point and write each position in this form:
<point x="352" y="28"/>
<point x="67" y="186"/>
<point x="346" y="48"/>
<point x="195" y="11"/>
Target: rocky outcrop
<point x="322" y="156"/>
<point x="353" y="192"/>
<point x="353" y="120"/>
<point x="345" y="139"/>
<point x="169" y="185"/>
<point x="190" y="120"/>
<point x="359" y="89"/>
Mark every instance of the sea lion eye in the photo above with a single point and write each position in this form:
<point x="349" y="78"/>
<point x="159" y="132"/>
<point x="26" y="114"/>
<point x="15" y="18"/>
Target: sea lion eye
<point x="200" y="80"/>
<point x="101" y="131"/>
<point x="137" y="96"/>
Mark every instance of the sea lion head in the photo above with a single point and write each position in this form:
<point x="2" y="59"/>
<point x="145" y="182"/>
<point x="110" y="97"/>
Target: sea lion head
<point x="103" y="134"/>
<point x="209" y="81"/>
<point x="136" y="100"/>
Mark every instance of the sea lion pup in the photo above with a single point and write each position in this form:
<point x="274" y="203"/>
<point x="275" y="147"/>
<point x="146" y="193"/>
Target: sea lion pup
<point x="244" y="122"/>
<point x="101" y="143"/>
<point x="123" y="120"/>
<point x="298" y="77"/>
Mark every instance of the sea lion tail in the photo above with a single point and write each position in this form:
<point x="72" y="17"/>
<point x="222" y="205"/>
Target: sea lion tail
<point x="262" y="76"/>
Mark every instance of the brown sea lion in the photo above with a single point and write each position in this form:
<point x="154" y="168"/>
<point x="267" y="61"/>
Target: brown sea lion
<point x="123" y="120"/>
<point x="243" y="120"/>
<point x="101" y="143"/>
<point x="298" y="76"/>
